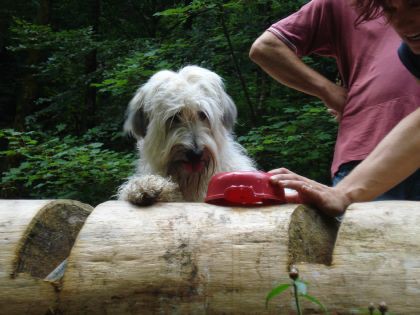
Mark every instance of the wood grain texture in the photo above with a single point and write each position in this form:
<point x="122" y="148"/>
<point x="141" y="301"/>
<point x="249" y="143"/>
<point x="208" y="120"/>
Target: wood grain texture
<point x="30" y="239"/>
<point x="176" y="258"/>
<point x="194" y="258"/>
<point x="376" y="258"/>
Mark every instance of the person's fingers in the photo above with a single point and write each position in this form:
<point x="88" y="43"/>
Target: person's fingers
<point x="291" y="176"/>
<point x="295" y="184"/>
<point x="292" y="196"/>
<point x="338" y="118"/>
<point x="306" y="192"/>
<point x="281" y="170"/>
<point x="332" y="112"/>
<point x="281" y="177"/>
<point x="335" y="114"/>
<point x="313" y="193"/>
<point x="322" y="198"/>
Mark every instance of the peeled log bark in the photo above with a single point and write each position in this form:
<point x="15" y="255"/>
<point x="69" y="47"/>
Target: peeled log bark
<point x="376" y="258"/>
<point x="189" y="258"/>
<point x="198" y="258"/>
<point x="35" y="236"/>
<point x="193" y="258"/>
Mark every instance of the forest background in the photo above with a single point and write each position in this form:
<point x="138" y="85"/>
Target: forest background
<point x="69" y="68"/>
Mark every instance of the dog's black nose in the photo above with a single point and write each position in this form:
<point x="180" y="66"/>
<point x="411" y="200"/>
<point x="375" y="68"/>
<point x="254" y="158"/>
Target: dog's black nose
<point x="194" y="155"/>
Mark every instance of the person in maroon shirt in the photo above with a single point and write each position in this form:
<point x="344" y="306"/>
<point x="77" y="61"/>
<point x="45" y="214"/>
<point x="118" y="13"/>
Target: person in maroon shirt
<point x="398" y="155"/>
<point x="378" y="93"/>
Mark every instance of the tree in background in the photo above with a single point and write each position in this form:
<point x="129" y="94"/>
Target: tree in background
<point x="70" y="68"/>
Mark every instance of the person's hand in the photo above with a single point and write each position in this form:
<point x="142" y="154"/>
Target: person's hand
<point x="337" y="115"/>
<point x="328" y="199"/>
<point x="335" y="99"/>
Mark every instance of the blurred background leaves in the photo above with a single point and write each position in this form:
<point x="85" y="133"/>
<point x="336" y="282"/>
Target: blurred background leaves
<point x="69" y="68"/>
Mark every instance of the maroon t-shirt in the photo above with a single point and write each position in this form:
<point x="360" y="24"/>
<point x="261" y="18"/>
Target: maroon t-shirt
<point x="381" y="91"/>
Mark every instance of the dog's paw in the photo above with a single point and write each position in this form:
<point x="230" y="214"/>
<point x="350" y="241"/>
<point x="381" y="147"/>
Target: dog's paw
<point x="148" y="189"/>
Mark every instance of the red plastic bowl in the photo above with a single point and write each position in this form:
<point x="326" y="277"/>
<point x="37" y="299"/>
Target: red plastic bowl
<point x="248" y="188"/>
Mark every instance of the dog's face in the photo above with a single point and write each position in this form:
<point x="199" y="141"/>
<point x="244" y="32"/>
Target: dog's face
<point x="183" y="119"/>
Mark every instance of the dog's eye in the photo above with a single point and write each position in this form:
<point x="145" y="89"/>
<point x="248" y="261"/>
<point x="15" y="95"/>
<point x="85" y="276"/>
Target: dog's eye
<point x="175" y="119"/>
<point x="202" y="116"/>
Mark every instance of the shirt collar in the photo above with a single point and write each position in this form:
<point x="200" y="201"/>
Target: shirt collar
<point x="409" y="59"/>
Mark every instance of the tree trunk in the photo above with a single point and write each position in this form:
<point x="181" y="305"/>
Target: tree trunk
<point x="236" y="65"/>
<point x="263" y="88"/>
<point x="29" y="86"/>
<point x="91" y="65"/>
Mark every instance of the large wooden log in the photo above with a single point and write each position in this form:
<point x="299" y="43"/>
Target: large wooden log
<point x="376" y="258"/>
<point x="35" y="236"/>
<point x="198" y="258"/>
<point x="192" y="258"/>
<point x="181" y="258"/>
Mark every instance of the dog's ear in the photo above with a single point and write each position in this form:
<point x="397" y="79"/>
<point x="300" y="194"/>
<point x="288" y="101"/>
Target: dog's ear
<point x="229" y="112"/>
<point x="136" y="119"/>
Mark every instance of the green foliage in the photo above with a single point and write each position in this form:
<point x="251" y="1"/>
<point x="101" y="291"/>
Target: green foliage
<point x="300" y="139"/>
<point x="125" y="77"/>
<point x="53" y="167"/>
<point x="82" y="64"/>
<point x="60" y="69"/>
<point x="300" y="289"/>
<point x="313" y="300"/>
<point x="71" y="43"/>
<point x="276" y="291"/>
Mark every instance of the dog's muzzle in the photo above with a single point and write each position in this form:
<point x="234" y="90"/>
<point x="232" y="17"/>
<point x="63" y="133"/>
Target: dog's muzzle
<point x="196" y="161"/>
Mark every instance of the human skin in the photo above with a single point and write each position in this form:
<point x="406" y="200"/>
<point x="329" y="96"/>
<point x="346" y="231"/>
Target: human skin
<point x="404" y="17"/>
<point x="393" y="160"/>
<point x="282" y="64"/>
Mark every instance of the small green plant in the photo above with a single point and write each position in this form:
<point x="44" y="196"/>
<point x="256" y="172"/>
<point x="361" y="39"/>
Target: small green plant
<point x="300" y="289"/>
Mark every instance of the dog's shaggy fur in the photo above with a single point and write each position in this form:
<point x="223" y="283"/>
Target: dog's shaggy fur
<point x="183" y="122"/>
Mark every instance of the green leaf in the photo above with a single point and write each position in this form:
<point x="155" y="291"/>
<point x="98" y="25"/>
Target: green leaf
<point x="302" y="288"/>
<point x="315" y="300"/>
<point x="61" y="127"/>
<point x="174" y="11"/>
<point x="96" y="145"/>
<point x="276" y="291"/>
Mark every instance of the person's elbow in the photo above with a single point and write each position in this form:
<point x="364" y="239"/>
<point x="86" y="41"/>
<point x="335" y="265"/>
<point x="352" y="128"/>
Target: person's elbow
<point x="267" y="48"/>
<point x="259" y="49"/>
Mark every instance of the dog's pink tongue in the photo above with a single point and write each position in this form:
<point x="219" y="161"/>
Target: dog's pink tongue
<point x="194" y="167"/>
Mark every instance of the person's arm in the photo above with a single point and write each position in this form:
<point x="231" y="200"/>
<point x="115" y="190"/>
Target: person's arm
<point x="281" y="63"/>
<point x="393" y="160"/>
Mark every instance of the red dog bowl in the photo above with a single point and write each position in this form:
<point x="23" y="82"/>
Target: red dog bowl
<point x="248" y="188"/>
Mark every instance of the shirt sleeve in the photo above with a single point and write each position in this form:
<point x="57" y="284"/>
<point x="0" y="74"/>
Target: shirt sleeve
<point x="309" y="30"/>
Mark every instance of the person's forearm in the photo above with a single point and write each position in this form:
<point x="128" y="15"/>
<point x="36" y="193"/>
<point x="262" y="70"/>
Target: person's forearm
<point x="393" y="160"/>
<point x="281" y="63"/>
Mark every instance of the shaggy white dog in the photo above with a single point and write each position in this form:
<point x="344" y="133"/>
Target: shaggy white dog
<point x="183" y="122"/>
